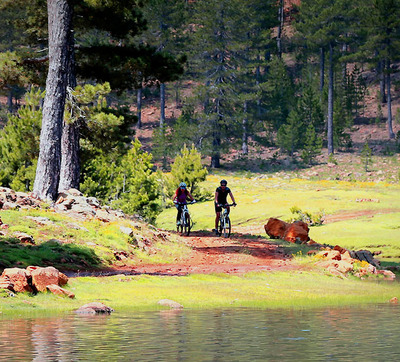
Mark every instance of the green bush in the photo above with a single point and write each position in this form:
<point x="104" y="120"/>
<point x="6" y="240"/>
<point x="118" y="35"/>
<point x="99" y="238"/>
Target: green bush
<point x="125" y="181"/>
<point x="187" y="168"/>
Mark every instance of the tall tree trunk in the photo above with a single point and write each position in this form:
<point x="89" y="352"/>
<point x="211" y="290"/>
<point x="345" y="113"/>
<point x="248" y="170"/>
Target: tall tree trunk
<point x="216" y="140"/>
<point x="139" y="106"/>
<point x="162" y="104"/>
<point x="330" y="102"/>
<point x="322" y="69"/>
<point x="48" y="167"/>
<point x="382" y="80"/>
<point x="389" y="101"/>
<point x="245" y="146"/>
<point x="70" y="162"/>
<point x="280" y="27"/>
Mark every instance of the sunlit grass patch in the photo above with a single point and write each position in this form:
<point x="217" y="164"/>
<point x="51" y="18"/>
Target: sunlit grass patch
<point x="299" y="289"/>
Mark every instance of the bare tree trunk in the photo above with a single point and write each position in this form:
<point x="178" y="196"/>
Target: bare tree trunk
<point x="322" y="70"/>
<point x="162" y="104"/>
<point x="389" y="101"/>
<point x="70" y="162"/>
<point x="280" y="27"/>
<point x="48" y="167"/>
<point x="382" y="81"/>
<point x="139" y="106"/>
<point x="330" y="102"/>
<point x="245" y="135"/>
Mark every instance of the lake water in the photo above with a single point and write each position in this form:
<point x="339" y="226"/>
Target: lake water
<point x="346" y="334"/>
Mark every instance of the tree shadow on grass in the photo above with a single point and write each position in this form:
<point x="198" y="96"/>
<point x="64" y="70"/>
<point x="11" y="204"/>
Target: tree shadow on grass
<point x="51" y="253"/>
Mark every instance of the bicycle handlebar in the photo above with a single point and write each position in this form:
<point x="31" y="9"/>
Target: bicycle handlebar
<point x="226" y="205"/>
<point x="185" y="203"/>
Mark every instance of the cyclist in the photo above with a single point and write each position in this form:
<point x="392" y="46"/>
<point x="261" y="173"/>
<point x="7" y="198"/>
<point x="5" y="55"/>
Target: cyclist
<point x="221" y="194"/>
<point x="181" y="194"/>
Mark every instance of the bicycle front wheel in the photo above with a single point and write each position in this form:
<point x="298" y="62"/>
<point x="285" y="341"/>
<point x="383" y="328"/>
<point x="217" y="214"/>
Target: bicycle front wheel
<point x="227" y="227"/>
<point x="187" y="224"/>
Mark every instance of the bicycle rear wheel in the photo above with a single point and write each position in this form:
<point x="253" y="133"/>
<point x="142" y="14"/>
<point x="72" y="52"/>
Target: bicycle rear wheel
<point x="227" y="227"/>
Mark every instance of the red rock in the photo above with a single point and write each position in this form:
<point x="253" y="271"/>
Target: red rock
<point x="275" y="228"/>
<point x="5" y="283"/>
<point x="394" y="300"/>
<point x="296" y="233"/>
<point x="62" y="279"/>
<point x="42" y="277"/>
<point x="19" y="278"/>
<point x="330" y="254"/>
<point x="57" y="290"/>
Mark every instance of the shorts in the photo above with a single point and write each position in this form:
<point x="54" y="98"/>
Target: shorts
<point x="218" y="208"/>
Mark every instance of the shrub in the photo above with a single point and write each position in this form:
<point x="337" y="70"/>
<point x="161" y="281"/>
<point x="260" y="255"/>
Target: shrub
<point x="307" y="217"/>
<point x="187" y="168"/>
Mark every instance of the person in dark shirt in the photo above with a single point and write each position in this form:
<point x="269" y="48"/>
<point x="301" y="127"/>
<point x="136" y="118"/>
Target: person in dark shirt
<point x="221" y="194"/>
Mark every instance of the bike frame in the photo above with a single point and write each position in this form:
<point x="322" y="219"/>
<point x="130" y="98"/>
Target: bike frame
<point x="224" y="220"/>
<point x="185" y="226"/>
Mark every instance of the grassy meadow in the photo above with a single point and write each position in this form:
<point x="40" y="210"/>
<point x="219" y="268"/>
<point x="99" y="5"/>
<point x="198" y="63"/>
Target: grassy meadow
<point x="299" y="289"/>
<point x="260" y="198"/>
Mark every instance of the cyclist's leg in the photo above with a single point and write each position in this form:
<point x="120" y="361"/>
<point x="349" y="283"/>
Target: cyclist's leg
<point x="178" y="216"/>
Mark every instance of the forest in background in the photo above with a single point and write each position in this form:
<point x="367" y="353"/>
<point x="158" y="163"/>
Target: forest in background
<point x="271" y="73"/>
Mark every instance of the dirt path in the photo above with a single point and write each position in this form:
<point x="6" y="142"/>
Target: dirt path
<point x="238" y="254"/>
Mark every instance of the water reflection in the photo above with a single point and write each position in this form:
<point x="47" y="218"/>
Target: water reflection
<point x="216" y="335"/>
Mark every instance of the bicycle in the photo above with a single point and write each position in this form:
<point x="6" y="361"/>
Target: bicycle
<point x="225" y="221"/>
<point x="186" y="222"/>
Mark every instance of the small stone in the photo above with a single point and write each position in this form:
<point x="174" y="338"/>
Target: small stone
<point x="94" y="308"/>
<point x="170" y="303"/>
<point x="394" y="300"/>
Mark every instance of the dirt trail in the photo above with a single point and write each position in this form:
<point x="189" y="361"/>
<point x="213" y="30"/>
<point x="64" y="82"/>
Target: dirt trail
<point x="238" y="254"/>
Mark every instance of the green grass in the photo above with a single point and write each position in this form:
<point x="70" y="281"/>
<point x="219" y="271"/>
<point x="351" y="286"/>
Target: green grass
<point x="79" y="245"/>
<point x="299" y="289"/>
<point x="260" y="198"/>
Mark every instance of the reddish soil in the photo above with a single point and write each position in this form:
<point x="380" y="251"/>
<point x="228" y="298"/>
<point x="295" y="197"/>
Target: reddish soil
<point x="213" y="254"/>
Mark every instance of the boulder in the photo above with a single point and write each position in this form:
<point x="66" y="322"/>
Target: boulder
<point x="330" y="254"/>
<point x="297" y="233"/>
<point x="275" y="228"/>
<point x="57" y="290"/>
<point x="5" y="283"/>
<point x="19" y="278"/>
<point x="24" y="237"/>
<point x="94" y="308"/>
<point x="42" y="277"/>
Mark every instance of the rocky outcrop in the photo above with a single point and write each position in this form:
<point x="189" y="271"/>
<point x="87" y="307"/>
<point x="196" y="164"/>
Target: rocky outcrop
<point x="32" y="279"/>
<point x="94" y="308"/>
<point x="340" y="261"/>
<point x="296" y="232"/>
<point x="73" y="202"/>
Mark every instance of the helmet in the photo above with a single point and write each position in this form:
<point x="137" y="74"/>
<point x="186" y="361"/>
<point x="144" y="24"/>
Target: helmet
<point x="224" y="182"/>
<point x="182" y="184"/>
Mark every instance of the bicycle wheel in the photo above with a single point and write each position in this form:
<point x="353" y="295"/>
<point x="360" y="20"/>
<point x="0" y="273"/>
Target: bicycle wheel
<point x="227" y="227"/>
<point x="187" y="225"/>
<point x="221" y="225"/>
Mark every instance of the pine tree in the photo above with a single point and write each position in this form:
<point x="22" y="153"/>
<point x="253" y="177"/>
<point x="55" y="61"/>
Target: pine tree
<point x="326" y="24"/>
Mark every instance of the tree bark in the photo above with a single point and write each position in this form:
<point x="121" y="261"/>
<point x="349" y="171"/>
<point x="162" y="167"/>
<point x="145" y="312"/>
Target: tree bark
<point x="139" y="107"/>
<point x="70" y="162"/>
<point x="330" y="102"/>
<point x="48" y="167"/>
<point x="162" y="104"/>
<point x="322" y="70"/>
<point x="389" y="101"/>
<point x="245" y="146"/>
<point x="382" y="80"/>
<point x="280" y="27"/>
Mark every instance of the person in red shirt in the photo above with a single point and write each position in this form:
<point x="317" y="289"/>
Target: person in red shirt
<point x="180" y="197"/>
